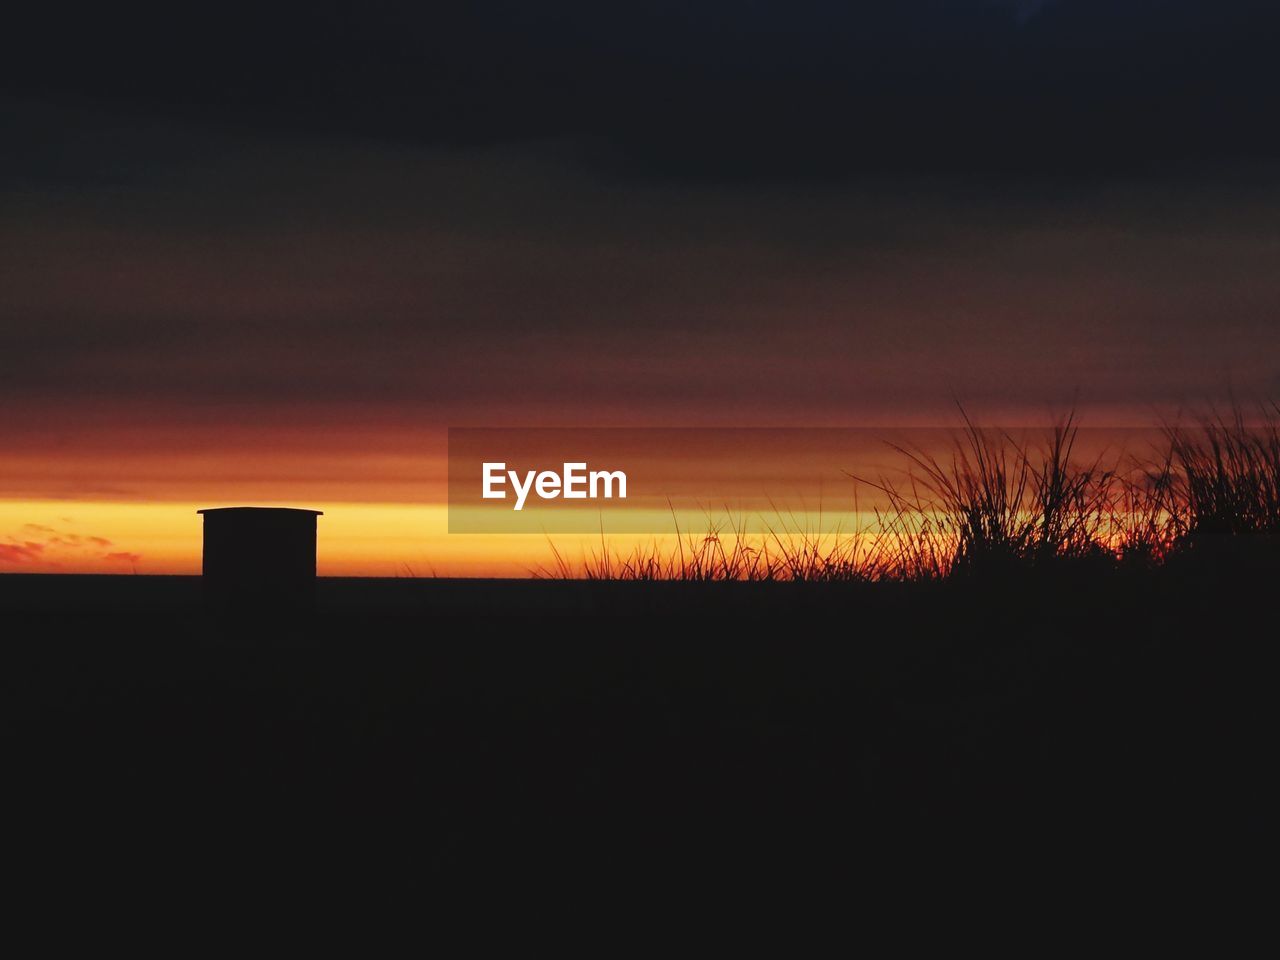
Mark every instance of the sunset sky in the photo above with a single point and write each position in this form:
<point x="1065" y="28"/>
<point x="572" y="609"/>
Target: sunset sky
<point x="272" y="257"/>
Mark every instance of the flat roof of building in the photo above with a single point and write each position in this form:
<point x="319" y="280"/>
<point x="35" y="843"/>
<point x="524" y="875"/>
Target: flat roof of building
<point x="314" y="513"/>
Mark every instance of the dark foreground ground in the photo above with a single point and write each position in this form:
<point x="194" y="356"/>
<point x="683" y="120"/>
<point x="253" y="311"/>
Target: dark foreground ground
<point x="513" y="729"/>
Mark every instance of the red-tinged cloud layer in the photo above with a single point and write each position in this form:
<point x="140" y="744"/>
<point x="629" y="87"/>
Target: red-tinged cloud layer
<point x="40" y="548"/>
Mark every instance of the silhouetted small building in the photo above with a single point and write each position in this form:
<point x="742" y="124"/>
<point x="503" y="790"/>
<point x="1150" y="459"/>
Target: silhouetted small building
<point x="263" y="556"/>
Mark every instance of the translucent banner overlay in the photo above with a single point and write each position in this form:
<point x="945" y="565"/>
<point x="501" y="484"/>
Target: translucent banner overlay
<point x="665" y="480"/>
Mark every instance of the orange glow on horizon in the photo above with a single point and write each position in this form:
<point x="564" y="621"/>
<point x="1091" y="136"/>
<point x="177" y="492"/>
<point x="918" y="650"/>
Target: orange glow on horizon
<point x="57" y="536"/>
<point x="354" y="539"/>
<point x="81" y="510"/>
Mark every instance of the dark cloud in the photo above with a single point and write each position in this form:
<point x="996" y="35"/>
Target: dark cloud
<point x="713" y="90"/>
<point x="744" y="212"/>
<point x="424" y="285"/>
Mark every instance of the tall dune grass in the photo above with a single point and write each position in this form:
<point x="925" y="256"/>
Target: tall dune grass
<point x="996" y="503"/>
<point x="1226" y="477"/>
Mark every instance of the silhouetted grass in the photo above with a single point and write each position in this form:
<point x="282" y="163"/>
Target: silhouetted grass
<point x="997" y="504"/>
<point x="1226" y="477"/>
